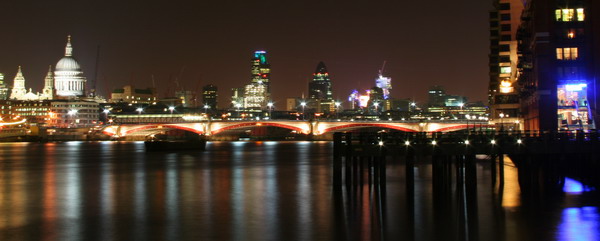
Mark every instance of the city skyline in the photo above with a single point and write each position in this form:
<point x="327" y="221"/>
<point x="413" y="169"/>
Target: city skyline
<point x="356" y="41"/>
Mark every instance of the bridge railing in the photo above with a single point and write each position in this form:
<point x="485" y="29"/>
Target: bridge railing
<point x="400" y="138"/>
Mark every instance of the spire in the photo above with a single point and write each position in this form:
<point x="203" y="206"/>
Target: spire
<point x="50" y="73"/>
<point x="19" y="73"/>
<point x="69" y="48"/>
<point x="19" y="81"/>
<point x="321" y="68"/>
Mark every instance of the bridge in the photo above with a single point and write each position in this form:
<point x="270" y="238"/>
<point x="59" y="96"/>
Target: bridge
<point x="309" y="127"/>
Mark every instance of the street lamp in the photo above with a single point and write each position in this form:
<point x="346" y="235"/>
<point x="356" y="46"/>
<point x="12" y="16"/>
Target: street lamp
<point x="206" y="108"/>
<point x="376" y="104"/>
<point x="171" y="108"/>
<point x="270" y="106"/>
<point x="139" y="110"/>
<point x="501" y="121"/>
<point x="238" y="106"/>
<point x="106" y="111"/>
<point x="468" y="117"/>
<point x="71" y="113"/>
<point x="303" y="104"/>
<point x="337" y="109"/>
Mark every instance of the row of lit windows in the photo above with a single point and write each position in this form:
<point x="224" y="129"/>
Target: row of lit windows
<point x="570" y="15"/>
<point x="32" y="109"/>
<point x="91" y="106"/>
<point x="138" y="98"/>
<point x="567" y="53"/>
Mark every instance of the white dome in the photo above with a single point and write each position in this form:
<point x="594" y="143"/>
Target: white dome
<point x="67" y="63"/>
<point x="68" y="77"/>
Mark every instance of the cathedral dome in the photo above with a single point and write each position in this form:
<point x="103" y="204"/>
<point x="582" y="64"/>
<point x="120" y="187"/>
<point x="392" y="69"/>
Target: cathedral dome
<point x="67" y="63"/>
<point x="68" y="76"/>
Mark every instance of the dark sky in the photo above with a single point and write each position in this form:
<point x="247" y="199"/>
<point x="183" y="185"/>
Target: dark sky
<point x="200" y="42"/>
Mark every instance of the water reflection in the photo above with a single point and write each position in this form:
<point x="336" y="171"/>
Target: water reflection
<point x="262" y="191"/>
<point x="579" y="224"/>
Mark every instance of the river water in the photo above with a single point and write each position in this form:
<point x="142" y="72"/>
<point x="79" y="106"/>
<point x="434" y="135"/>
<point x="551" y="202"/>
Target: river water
<point x="259" y="191"/>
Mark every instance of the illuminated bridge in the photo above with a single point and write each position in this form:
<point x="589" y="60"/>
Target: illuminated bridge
<point x="313" y="127"/>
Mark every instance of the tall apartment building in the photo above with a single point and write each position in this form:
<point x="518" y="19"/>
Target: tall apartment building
<point x="503" y="92"/>
<point x="559" y="64"/>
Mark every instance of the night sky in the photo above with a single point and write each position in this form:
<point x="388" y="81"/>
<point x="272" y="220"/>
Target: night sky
<point x="200" y="42"/>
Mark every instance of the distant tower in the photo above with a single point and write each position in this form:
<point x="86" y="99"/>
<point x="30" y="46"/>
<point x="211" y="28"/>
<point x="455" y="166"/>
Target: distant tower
<point x="258" y="92"/>
<point x="69" y="79"/>
<point x="3" y="88"/>
<point x="385" y="83"/>
<point x="18" y="91"/>
<point x="320" y="87"/>
<point x="48" y="91"/>
<point x="261" y="70"/>
<point x="209" y="96"/>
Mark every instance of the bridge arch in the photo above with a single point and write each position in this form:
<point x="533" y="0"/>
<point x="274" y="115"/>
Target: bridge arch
<point x="461" y="127"/>
<point x="216" y="128"/>
<point x="354" y="126"/>
<point x="150" y="129"/>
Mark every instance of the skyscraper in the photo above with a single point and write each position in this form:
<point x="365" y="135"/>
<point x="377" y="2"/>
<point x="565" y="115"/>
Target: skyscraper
<point x="258" y="92"/>
<point x="503" y="92"/>
<point x="261" y="70"/>
<point x="209" y="96"/>
<point x="320" y="86"/>
<point x="559" y="64"/>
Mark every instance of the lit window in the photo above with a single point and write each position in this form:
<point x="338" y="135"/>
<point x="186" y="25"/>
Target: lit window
<point x="580" y="14"/>
<point x="568" y="15"/>
<point x="567" y="53"/>
<point x="505" y="70"/>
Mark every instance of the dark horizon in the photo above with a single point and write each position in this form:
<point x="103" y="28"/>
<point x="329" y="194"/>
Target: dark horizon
<point x="424" y="44"/>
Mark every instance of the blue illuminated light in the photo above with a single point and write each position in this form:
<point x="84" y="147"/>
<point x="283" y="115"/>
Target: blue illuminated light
<point x="574" y="187"/>
<point x="575" y="87"/>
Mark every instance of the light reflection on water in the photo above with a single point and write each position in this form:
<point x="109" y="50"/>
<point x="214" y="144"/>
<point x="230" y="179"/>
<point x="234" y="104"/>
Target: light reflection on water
<point x="579" y="224"/>
<point x="252" y="191"/>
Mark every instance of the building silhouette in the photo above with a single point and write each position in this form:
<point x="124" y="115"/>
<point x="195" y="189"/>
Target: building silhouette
<point x="320" y="86"/>
<point x="209" y="96"/>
